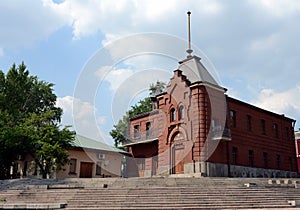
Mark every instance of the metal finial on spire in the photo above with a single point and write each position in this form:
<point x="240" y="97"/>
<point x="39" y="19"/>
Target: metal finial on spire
<point x="189" y="50"/>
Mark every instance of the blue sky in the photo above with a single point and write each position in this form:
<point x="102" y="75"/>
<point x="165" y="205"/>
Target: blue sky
<point x="253" y="46"/>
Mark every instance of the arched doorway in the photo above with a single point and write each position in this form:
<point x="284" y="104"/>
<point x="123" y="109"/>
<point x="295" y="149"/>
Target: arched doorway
<point x="177" y="153"/>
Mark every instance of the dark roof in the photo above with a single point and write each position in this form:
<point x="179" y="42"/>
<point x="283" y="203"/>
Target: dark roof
<point x="143" y="114"/>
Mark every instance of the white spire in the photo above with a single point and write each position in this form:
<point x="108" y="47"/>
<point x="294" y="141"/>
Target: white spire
<point x="189" y="50"/>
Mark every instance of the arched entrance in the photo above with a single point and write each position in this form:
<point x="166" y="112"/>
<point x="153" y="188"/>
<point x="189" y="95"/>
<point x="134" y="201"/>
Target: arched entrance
<point x="177" y="153"/>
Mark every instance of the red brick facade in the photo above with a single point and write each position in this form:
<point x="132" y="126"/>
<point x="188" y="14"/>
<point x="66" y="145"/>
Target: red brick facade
<point x="196" y="129"/>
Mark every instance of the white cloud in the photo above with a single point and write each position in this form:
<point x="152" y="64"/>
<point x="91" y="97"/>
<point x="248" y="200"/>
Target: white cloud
<point x="90" y="17"/>
<point x="266" y="43"/>
<point x="279" y="8"/>
<point x="115" y="77"/>
<point x="285" y="102"/>
<point x="126" y="16"/>
<point x="102" y="120"/>
<point x="23" y="23"/>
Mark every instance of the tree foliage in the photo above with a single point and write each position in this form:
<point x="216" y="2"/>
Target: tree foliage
<point x="157" y="88"/>
<point x="120" y="130"/>
<point x="29" y="122"/>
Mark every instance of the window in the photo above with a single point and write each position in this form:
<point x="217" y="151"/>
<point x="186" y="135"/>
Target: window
<point x="232" y="118"/>
<point x="181" y="112"/>
<point x="148" y="129"/>
<point x="265" y="159"/>
<point x="251" y="158"/>
<point x="136" y="131"/>
<point x="275" y="128"/>
<point x="287" y="133"/>
<point x="234" y="155"/>
<point x="278" y="161"/>
<point x="248" y="121"/>
<point x="98" y="168"/>
<point x="263" y="126"/>
<point x="173" y="114"/>
<point x="73" y="163"/>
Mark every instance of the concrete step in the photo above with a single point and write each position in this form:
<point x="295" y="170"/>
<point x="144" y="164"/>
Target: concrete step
<point x="190" y="206"/>
<point x="150" y="193"/>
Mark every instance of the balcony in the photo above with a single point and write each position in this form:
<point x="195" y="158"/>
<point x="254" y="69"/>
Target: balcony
<point x="142" y="137"/>
<point x="220" y="133"/>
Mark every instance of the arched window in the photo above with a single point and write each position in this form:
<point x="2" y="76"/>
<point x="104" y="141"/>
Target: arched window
<point x="181" y="112"/>
<point x="173" y="114"/>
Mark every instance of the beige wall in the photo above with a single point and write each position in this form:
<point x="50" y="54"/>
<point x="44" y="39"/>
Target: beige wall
<point x="110" y="164"/>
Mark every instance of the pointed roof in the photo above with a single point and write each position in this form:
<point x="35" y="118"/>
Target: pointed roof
<point x="195" y="71"/>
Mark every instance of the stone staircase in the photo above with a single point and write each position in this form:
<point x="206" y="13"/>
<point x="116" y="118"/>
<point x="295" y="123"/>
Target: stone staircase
<point x="150" y="193"/>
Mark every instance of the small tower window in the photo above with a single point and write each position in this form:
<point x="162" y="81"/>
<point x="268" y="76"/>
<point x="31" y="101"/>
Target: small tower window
<point x="181" y="112"/>
<point x="173" y="114"/>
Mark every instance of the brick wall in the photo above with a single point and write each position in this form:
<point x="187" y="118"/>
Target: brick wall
<point x="259" y="138"/>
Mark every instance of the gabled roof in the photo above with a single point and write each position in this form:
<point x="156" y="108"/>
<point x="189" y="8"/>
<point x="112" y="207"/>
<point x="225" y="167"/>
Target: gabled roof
<point x="194" y="70"/>
<point x="84" y="142"/>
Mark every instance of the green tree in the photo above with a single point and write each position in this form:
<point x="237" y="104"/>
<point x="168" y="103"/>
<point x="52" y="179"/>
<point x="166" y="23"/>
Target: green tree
<point x="157" y="88"/>
<point x="120" y="130"/>
<point x="30" y="122"/>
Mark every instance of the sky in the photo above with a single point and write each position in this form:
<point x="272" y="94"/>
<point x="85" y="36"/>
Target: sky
<point x="102" y="55"/>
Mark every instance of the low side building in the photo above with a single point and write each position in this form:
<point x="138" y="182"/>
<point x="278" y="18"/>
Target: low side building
<point x="88" y="159"/>
<point x="91" y="159"/>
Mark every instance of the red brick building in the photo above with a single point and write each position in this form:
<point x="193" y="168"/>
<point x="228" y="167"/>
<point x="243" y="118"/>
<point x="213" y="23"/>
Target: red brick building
<point x="195" y="128"/>
<point x="297" y="142"/>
